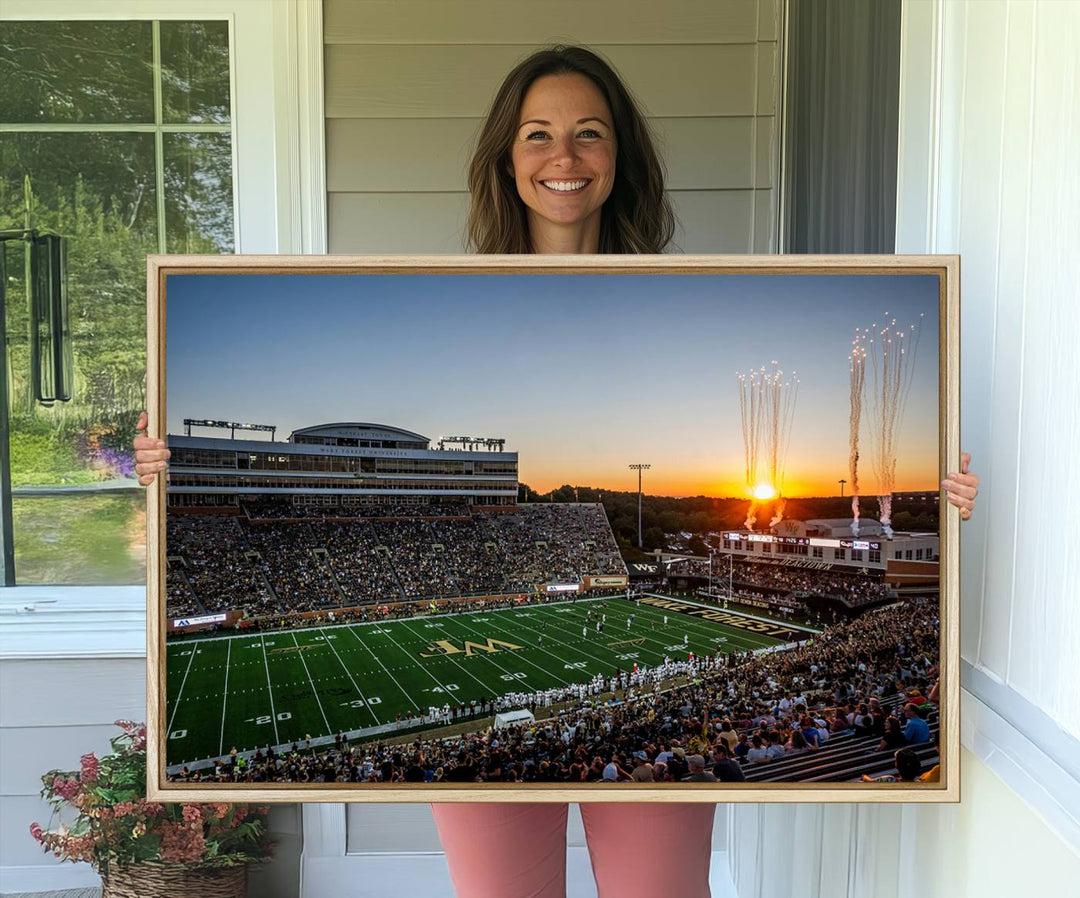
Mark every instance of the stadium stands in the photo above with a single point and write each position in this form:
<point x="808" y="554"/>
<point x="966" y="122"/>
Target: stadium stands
<point x="263" y="563"/>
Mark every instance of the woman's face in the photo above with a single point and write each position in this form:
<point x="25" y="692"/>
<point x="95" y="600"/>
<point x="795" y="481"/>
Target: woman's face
<point x="563" y="154"/>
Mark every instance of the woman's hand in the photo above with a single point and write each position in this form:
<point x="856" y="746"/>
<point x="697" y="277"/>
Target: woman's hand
<point x="151" y="455"/>
<point x="962" y="488"/>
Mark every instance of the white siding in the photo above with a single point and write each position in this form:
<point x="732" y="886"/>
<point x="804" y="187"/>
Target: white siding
<point x="1009" y="203"/>
<point x="408" y="83"/>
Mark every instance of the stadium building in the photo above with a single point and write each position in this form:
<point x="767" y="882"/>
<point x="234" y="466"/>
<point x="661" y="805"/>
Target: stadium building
<point x="831" y="543"/>
<point x="349" y="464"/>
<point x="350" y="515"/>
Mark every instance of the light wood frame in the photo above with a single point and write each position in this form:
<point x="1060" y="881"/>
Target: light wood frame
<point x="946" y="268"/>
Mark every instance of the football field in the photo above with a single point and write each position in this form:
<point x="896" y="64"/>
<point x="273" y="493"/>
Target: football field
<point x="282" y="686"/>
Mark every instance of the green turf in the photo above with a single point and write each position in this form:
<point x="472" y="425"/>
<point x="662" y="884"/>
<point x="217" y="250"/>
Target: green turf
<point x="279" y="687"/>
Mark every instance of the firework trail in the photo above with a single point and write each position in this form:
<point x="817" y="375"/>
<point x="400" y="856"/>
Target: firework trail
<point x="766" y="404"/>
<point x="892" y="351"/>
<point x="857" y="366"/>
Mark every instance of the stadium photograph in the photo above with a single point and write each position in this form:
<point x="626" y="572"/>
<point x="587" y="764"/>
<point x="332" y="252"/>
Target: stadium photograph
<point x="552" y="530"/>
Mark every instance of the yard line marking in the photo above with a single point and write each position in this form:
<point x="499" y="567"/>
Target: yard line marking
<point x="314" y="691"/>
<point x="176" y="707"/>
<point x="225" y="698"/>
<point x="270" y="688"/>
<point x="383" y="666"/>
<point x="348" y="673"/>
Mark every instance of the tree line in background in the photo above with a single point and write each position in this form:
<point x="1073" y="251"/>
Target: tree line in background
<point x="662" y="516"/>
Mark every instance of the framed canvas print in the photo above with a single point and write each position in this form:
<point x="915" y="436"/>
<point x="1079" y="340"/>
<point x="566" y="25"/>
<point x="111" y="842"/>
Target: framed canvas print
<point x="553" y="528"/>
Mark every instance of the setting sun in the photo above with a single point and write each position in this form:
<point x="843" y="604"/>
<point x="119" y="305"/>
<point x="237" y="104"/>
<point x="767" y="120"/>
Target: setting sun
<point x="764" y="492"/>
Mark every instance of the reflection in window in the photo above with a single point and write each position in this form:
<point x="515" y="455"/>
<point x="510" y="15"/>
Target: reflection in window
<point x="143" y="164"/>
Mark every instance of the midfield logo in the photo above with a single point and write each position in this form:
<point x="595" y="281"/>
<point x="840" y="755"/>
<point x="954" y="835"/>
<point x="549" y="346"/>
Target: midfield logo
<point x="446" y="647"/>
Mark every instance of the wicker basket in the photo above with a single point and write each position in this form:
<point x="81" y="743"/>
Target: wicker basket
<point x="148" y="880"/>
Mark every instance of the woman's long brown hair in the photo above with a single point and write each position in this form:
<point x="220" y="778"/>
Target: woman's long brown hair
<point x="637" y="216"/>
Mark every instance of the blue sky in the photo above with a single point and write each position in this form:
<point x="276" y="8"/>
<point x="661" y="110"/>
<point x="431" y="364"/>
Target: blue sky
<point x="582" y="374"/>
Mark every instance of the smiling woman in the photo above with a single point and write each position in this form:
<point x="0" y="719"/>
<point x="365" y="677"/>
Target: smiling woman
<point x="563" y="117"/>
<point x="563" y="162"/>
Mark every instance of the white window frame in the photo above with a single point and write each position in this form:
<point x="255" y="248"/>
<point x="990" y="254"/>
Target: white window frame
<point x="279" y="189"/>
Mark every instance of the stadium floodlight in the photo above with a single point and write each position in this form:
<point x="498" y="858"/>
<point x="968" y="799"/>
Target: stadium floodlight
<point x="639" y="468"/>
<point x="231" y="426"/>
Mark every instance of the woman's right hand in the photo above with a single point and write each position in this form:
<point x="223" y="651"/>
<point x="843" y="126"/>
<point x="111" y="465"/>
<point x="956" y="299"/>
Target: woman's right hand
<point x="151" y="456"/>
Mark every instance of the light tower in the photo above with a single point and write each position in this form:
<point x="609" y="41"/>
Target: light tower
<point x="842" y="482"/>
<point x="639" y="469"/>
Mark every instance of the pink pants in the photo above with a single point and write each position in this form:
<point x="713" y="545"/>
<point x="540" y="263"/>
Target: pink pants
<point x="519" y="850"/>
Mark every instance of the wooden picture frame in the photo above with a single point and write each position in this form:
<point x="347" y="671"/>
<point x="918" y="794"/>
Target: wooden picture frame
<point x="790" y="297"/>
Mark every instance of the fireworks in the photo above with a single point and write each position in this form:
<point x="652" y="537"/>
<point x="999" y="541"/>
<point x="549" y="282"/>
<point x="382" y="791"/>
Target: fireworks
<point x="892" y="351"/>
<point x="857" y="365"/>
<point x="766" y="403"/>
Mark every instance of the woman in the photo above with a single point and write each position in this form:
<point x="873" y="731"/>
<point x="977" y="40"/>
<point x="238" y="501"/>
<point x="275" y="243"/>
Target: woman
<point x="565" y="164"/>
<point x="894" y="735"/>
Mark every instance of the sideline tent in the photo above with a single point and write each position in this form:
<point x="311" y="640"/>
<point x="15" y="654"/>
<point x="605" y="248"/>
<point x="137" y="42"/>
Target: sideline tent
<point x="509" y="718"/>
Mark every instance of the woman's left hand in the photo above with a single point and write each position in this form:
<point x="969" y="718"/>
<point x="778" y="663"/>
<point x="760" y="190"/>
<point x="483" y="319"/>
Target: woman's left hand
<point x="961" y="488"/>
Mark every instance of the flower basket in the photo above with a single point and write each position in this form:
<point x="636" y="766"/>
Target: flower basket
<point x="145" y="848"/>
<point x="174" y="881"/>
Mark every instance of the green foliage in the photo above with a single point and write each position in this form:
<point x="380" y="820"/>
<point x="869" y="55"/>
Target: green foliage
<point x="116" y="826"/>
<point x="99" y="190"/>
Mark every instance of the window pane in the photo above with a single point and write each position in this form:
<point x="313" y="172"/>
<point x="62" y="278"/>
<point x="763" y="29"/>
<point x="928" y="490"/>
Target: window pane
<point x="198" y="193"/>
<point x="98" y="191"/>
<point x="195" y="72"/>
<point x="76" y="72"/>
<point x="78" y="516"/>
<point x="81" y="539"/>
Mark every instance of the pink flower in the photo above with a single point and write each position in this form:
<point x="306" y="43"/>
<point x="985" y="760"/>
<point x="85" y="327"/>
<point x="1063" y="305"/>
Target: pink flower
<point x="89" y="767"/>
<point x="181" y="842"/>
<point x="192" y="814"/>
<point x="65" y="788"/>
<point x="123" y="808"/>
<point x="37" y="832"/>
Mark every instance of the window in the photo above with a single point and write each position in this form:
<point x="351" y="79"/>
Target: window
<point x="840" y="554"/>
<point x="856" y="554"/>
<point x="117" y="136"/>
<point x="818" y="552"/>
<point x="875" y="556"/>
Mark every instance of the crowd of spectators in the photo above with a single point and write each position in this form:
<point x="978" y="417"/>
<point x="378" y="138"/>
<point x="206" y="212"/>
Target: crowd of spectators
<point x="781" y="578"/>
<point x="211" y="556"/>
<point x="264" y="564"/>
<point x="732" y="712"/>
<point x="284" y="509"/>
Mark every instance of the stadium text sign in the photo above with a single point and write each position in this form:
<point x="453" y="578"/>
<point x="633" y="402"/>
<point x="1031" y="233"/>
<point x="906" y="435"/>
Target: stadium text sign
<point x="197" y="621"/>
<point x="721" y="617"/>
